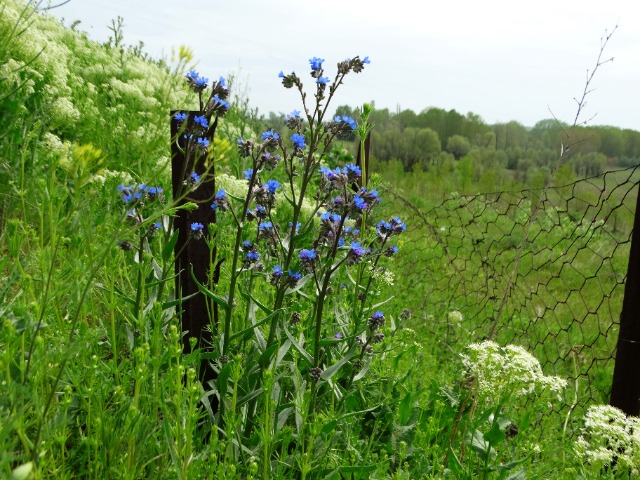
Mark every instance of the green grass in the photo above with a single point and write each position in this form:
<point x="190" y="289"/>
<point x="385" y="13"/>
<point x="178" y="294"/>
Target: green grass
<point x="95" y="383"/>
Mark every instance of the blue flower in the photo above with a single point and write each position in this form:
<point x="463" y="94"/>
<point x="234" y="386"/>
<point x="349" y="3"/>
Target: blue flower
<point x="272" y="186"/>
<point x="247" y="244"/>
<point x="196" y="230"/>
<point x="248" y="173"/>
<point x="345" y="119"/>
<point x="203" y="142"/>
<point x="201" y="120"/>
<point x="391" y="251"/>
<point x="269" y="135"/>
<point x="307" y="255"/>
<point x="194" y="178"/>
<point x="294" y="278"/>
<point x="298" y="225"/>
<point x="366" y="60"/>
<point x="357" y="249"/>
<point x="180" y="117"/>
<point x="298" y="140"/>
<point x="397" y="225"/>
<point x="197" y="82"/>
<point x="316" y="63"/>
<point x="253" y="255"/>
<point x="222" y="82"/>
<point x="376" y="320"/>
<point x="222" y="103"/>
<point x="352" y="170"/>
<point x="219" y="200"/>
<point x="323" y="80"/>
<point x="277" y="271"/>
<point x="294" y="114"/>
<point x="265" y="226"/>
<point x="154" y="192"/>
<point x="261" y="212"/>
<point x="384" y="227"/>
<point x="359" y="202"/>
<point x="281" y="74"/>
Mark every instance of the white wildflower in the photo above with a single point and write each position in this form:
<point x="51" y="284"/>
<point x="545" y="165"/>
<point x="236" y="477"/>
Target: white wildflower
<point x="64" y="113"/>
<point x="509" y="370"/>
<point x="609" y="435"/>
<point x="455" y="316"/>
<point x="106" y="174"/>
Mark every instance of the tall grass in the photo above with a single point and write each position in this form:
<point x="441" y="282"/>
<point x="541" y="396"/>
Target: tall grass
<point x="95" y="379"/>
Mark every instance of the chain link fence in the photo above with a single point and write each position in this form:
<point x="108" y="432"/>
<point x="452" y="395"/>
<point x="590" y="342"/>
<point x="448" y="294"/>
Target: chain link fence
<point x="544" y="269"/>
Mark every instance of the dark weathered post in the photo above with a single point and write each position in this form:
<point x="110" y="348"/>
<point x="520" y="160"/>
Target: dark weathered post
<point x="191" y="254"/>
<point x="625" y="390"/>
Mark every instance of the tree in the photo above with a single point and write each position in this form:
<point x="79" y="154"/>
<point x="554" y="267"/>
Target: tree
<point x="458" y="145"/>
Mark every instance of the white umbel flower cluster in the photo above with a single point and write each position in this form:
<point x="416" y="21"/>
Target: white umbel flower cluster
<point x="455" y="317"/>
<point x="507" y="371"/>
<point x="609" y="439"/>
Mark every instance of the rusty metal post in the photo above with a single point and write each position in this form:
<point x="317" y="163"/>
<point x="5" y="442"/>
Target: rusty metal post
<point x="625" y="388"/>
<point x="196" y="312"/>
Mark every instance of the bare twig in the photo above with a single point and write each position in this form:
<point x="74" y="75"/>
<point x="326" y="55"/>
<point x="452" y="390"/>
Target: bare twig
<point x="582" y="102"/>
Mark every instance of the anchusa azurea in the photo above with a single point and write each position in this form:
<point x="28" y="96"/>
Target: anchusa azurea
<point x="297" y="246"/>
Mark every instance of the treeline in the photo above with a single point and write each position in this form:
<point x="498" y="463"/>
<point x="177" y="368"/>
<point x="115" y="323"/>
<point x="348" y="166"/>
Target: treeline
<point x="437" y="138"/>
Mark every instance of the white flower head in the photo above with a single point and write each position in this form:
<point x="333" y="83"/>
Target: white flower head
<point x="455" y="317"/>
<point x="509" y="370"/>
<point x="609" y="435"/>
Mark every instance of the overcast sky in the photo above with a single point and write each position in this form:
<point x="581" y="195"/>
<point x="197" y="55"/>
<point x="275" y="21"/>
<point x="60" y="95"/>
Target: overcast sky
<point x="501" y="59"/>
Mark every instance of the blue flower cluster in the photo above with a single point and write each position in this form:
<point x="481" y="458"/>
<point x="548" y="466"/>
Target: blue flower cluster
<point x="195" y="81"/>
<point x="138" y="194"/>
<point x="344" y="119"/>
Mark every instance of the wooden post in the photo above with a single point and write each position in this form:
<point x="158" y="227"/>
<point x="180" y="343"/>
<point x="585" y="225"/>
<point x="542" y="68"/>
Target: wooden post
<point x="625" y="388"/>
<point x="197" y="313"/>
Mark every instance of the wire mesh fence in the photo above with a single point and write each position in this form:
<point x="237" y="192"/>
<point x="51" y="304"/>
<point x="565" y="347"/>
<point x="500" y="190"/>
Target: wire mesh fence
<point x="544" y="269"/>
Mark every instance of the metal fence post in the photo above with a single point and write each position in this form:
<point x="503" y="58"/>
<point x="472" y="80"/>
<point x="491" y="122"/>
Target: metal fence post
<point x="625" y="388"/>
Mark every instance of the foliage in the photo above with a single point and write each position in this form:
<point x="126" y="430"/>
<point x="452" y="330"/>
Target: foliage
<point x="318" y="374"/>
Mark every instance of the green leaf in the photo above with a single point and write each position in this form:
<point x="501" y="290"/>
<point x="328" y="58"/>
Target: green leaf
<point x="177" y="301"/>
<point x="250" y="396"/>
<point x="454" y="462"/>
<point x="479" y="444"/>
<point x="333" y="369"/>
<point x="301" y="283"/>
<point x="495" y="436"/>
<point x="168" y="248"/>
<point x="282" y="351"/>
<point x="248" y="296"/>
<point x="216" y="298"/>
<point x="252" y="327"/>
<point x="265" y="358"/>
<point x="283" y="416"/>
<point x="306" y="355"/>
<point x="328" y="427"/>
<point x="363" y="371"/>
<point x="520" y="475"/>
<point x="404" y="409"/>
<point x="121" y="294"/>
<point x="223" y="378"/>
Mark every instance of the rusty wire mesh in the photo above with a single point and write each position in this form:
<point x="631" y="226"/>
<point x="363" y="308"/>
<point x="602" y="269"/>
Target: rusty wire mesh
<point x="544" y="269"/>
